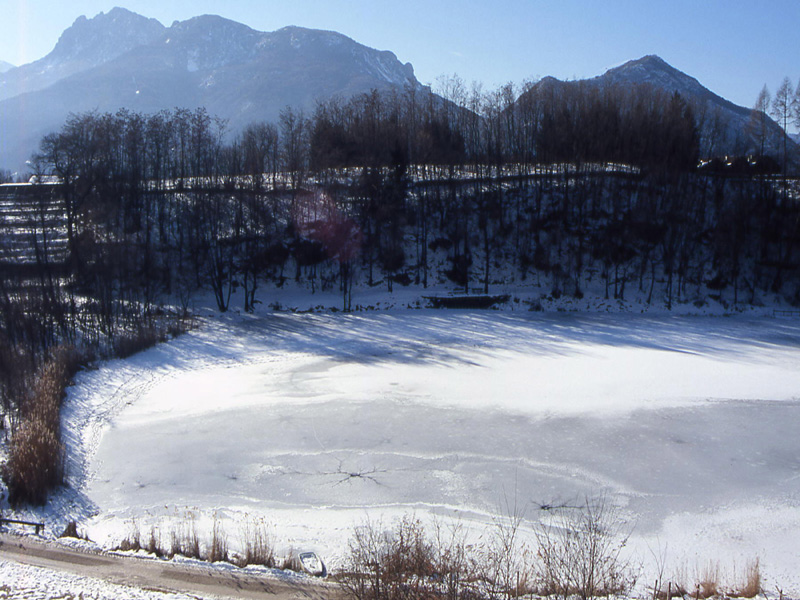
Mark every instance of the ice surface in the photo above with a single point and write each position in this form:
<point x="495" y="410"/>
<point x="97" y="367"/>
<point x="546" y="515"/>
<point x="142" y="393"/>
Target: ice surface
<point x="317" y="421"/>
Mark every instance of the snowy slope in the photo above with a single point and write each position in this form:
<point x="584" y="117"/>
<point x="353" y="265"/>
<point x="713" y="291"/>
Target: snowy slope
<point x="84" y="45"/>
<point x="718" y="117"/>
<point x="235" y="72"/>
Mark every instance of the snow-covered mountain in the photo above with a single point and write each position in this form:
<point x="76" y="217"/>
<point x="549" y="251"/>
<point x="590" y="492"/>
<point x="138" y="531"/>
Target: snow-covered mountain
<point x="657" y="72"/>
<point x="235" y="72"/>
<point x="86" y="44"/>
<point x="723" y="124"/>
<point x="121" y="59"/>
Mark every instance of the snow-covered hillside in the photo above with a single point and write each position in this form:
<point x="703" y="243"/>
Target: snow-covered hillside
<point x="124" y="60"/>
<point x="724" y="126"/>
<point x="86" y="44"/>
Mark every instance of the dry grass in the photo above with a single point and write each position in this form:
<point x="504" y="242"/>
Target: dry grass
<point x="291" y="562"/>
<point x="258" y="548"/>
<point x="153" y="545"/>
<point x="751" y="587"/>
<point x="35" y="462"/>
<point x="183" y="540"/>
<point x="218" y="547"/>
<point x="709" y="584"/>
<point x="191" y="545"/>
<point x="133" y="542"/>
<point x="175" y="543"/>
<point x="712" y="581"/>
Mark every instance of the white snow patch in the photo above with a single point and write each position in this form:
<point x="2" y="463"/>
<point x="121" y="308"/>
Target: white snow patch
<point x="18" y="581"/>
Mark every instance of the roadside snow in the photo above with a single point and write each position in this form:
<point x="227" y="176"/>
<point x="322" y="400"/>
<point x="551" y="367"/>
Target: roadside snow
<point x="26" y="582"/>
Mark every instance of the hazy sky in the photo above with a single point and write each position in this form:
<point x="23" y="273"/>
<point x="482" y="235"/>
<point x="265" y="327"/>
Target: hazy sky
<point x="732" y="47"/>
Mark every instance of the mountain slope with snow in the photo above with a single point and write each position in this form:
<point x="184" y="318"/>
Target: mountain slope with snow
<point x="725" y="128"/>
<point x="723" y="124"/>
<point x="235" y="72"/>
<point x="84" y="45"/>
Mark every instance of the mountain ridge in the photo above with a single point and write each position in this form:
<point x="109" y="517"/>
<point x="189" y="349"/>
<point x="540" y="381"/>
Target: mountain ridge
<point x="235" y="72"/>
<point x="87" y="43"/>
<point x="121" y="59"/>
<point x="654" y="70"/>
<point x="723" y="125"/>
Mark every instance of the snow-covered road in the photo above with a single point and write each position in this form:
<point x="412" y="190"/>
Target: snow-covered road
<point x="34" y="570"/>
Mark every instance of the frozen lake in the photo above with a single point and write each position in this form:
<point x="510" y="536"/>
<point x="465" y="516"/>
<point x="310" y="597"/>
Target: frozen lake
<point x="689" y="424"/>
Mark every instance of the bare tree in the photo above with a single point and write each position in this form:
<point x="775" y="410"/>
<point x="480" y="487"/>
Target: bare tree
<point x="759" y="121"/>
<point x="783" y="109"/>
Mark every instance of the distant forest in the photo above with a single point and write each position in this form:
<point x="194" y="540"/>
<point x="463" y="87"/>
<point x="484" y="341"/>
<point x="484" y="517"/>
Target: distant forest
<point x="133" y="214"/>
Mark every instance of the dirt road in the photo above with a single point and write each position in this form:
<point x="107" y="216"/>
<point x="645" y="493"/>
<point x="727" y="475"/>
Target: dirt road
<point x="161" y="575"/>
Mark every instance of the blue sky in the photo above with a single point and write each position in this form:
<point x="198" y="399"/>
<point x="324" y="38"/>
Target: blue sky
<point x="732" y="47"/>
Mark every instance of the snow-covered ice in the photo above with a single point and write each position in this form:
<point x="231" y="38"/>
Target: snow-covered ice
<point x="316" y="421"/>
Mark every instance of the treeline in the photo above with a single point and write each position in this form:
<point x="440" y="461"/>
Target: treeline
<point x="563" y="183"/>
<point x="567" y="184"/>
<point x="550" y="121"/>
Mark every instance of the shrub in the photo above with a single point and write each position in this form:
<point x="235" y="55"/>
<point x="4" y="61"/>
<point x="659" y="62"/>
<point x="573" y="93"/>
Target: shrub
<point x="35" y="463"/>
<point x="144" y="337"/>
<point x="404" y="562"/>
<point x="71" y="531"/>
<point x="257" y="545"/>
<point x="35" y="460"/>
<point x="504" y="559"/>
<point x="580" y="552"/>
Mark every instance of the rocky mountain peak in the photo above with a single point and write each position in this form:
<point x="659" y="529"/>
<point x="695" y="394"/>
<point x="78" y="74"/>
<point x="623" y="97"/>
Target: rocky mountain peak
<point x="104" y="36"/>
<point x="210" y="42"/>
<point x="654" y="70"/>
